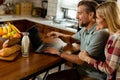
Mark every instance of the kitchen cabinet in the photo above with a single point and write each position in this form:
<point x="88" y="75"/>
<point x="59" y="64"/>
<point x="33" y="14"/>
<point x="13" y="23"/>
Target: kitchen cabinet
<point x="44" y="29"/>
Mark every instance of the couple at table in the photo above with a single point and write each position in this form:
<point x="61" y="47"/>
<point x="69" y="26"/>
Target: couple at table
<point x="93" y="62"/>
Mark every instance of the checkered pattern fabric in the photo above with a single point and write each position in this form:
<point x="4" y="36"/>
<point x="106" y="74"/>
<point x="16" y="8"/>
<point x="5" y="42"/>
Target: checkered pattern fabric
<point x="112" y="64"/>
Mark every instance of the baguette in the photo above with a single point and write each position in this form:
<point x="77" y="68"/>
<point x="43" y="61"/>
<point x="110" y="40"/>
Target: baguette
<point x="10" y="42"/>
<point x="9" y="50"/>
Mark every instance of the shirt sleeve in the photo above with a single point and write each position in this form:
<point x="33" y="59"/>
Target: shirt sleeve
<point x="97" y="43"/>
<point x="77" y="36"/>
<point x="112" y="58"/>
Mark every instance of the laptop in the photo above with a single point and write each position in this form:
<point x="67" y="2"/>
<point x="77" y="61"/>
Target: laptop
<point x="37" y="44"/>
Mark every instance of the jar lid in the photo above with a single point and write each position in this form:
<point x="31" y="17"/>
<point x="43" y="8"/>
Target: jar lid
<point x="25" y="33"/>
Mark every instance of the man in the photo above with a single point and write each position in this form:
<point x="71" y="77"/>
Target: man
<point x="90" y="40"/>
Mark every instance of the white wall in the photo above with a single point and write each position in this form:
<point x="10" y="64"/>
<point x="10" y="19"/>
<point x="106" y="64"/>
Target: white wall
<point x="118" y="2"/>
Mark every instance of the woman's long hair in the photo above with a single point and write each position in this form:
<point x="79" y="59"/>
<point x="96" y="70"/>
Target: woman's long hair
<point x="110" y="12"/>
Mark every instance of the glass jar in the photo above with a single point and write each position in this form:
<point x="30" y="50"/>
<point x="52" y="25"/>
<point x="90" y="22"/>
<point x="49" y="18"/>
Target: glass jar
<point x="25" y="43"/>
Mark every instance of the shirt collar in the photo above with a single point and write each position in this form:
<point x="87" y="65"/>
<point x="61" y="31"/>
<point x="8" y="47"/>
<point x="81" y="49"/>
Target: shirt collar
<point x="92" y="29"/>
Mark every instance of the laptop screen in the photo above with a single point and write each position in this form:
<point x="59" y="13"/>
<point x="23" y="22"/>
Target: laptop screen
<point x="34" y="37"/>
<point x="37" y="43"/>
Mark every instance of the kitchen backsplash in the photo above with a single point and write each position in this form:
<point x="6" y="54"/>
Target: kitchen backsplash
<point x="53" y="7"/>
<point x="36" y="3"/>
<point x="52" y="10"/>
<point x="11" y="1"/>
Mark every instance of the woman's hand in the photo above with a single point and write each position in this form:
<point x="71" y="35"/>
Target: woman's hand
<point x="83" y="55"/>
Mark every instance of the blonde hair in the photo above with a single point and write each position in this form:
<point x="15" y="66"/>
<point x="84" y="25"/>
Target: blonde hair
<point x="110" y="12"/>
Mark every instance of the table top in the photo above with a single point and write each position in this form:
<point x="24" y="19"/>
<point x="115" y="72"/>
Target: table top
<point x="24" y="68"/>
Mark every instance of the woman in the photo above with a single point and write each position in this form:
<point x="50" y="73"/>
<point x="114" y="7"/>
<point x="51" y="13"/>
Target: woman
<point x="108" y="14"/>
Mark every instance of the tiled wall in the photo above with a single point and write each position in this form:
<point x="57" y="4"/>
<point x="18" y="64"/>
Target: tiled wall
<point x="54" y="9"/>
<point x="36" y="3"/>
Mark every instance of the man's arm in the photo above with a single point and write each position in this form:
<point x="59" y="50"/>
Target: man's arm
<point x="66" y="38"/>
<point x="71" y="58"/>
<point x="65" y="54"/>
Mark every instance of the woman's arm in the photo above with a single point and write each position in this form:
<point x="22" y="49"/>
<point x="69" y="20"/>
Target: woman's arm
<point x="111" y="62"/>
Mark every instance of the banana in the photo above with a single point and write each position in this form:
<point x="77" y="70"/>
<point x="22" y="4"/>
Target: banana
<point x="14" y="28"/>
<point x="4" y="29"/>
<point x="1" y="31"/>
<point x="8" y="28"/>
<point x="5" y="36"/>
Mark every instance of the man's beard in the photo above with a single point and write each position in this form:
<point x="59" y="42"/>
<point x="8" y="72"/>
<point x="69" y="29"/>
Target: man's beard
<point x="84" y="24"/>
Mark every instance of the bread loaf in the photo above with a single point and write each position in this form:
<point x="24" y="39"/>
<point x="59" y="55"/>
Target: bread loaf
<point x="10" y="42"/>
<point x="9" y="50"/>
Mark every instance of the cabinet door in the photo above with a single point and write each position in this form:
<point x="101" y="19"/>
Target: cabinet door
<point x="44" y="29"/>
<point x="66" y="32"/>
<point x="22" y="25"/>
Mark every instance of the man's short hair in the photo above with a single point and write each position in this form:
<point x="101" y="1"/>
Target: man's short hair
<point x="90" y="6"/>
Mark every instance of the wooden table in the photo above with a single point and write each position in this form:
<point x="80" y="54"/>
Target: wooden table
<point x="24" y="68"/>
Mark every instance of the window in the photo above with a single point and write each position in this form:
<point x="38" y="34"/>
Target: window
<point x="69" y="4"/>
<point x="70" y="14"/>
<point x="118" y="1"/>
<point x="69" y="8"/>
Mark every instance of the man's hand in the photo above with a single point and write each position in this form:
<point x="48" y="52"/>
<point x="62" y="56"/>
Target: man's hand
<point x="51" y="51"/>
<point x="53" y="34"/>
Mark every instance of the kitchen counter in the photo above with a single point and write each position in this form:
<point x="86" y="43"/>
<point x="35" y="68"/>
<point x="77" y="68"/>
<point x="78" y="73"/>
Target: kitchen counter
<point x="62" y="25"/>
